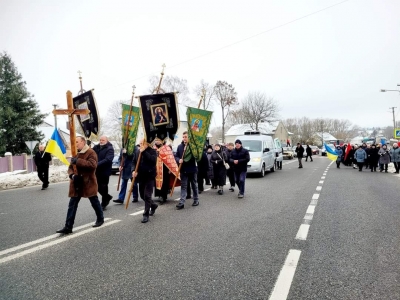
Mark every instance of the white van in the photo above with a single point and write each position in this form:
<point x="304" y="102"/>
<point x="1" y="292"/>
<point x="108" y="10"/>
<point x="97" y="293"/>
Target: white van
<point x="262" y="150"/>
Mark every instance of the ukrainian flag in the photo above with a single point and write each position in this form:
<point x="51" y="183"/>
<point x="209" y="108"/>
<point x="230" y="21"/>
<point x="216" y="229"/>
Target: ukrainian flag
<point x="330" y="153"/>
<point x="56" y="147"/>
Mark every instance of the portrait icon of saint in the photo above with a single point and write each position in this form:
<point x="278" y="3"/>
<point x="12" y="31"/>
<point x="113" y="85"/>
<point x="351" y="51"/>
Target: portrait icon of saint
<point x="130" y="121"/>
<point x="159" y="116"/>
<point x="196" y="125"/>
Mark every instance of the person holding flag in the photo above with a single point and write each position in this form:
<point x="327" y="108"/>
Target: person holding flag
<point x="188" y="172"/>
<point x="339" y="152"/>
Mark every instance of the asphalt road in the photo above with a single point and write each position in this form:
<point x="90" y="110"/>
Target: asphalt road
<point x="297" y="234"/>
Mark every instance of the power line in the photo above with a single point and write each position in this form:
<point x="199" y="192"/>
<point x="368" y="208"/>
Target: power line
<point x="232" y="44"/>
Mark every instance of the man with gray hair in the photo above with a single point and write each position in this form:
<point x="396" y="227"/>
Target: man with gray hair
<point x="105" y="154"/>
<point x="42" y="160"/>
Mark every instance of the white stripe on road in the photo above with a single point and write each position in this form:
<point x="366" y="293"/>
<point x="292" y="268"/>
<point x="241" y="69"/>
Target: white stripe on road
<point x="308" y="217"/>
<point x="310" y="209"/>
<point x="324" y="173"/>
<point x="319" y="188"/>
<point x="321" y="181"/>
<point x="137" y="213"/>
<point x="285" y="278"/>
<point x="303" y="232"/>
<point x="323" y="177"/>
<point x="50" y="237"/>
<point x="55" y="242"/>
<point x="315" y="197"/>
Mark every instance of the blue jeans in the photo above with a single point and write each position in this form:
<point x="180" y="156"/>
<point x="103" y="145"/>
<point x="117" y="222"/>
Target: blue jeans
<point x="124" y="185"/>
<point x="73" y="207"/>
<point x="192" y="178"/>
<point x="240" y="178"/>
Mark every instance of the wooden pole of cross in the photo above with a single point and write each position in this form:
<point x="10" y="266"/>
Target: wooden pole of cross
<point x="70" y="111"/>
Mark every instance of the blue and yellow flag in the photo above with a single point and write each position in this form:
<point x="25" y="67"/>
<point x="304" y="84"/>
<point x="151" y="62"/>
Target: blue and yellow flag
<point x="56" y="147"/>
<point x="330" y="153"/>
<point x="198" y="124"/>
<point x="133" y="127"/>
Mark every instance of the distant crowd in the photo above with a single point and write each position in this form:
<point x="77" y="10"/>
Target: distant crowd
<point x="369" y="156"/>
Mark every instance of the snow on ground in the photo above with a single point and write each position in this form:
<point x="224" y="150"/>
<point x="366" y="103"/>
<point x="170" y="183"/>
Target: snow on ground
<point x="12" y="180"/>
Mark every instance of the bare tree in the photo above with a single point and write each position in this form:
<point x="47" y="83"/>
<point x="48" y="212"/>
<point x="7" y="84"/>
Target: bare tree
<point x="216" y="133"/>
<point x="209" y="94"/>
<point x="226" y="97"/>
<point x="258" y="108"/>
<point x="112" y="124"/>
<point x="171" y="84"/>
<point x="236" y="116"/>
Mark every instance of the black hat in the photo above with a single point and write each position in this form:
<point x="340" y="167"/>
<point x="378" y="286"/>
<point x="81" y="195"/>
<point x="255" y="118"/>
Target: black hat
<point x="238" y="142"/>
<point x="209" y="147"/>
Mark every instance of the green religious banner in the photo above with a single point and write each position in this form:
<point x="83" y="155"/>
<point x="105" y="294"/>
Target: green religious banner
<point x="198" y="124"/>
<point x="133" y="126"/>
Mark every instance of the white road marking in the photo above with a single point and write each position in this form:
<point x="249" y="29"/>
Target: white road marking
<point x="315" y="196"/>
<point x="303" y="232"/>
<point x="321" y="182"/>
<point x="137" y="213"/>
<point x="308" y="217"/>
<point x="314" y="202"/>
<point x="323" y="177"/>
<point x="55" y="242"/>
<point x="319" y="188"/>
<point x="50" y="237"/>
<point x="310" y="209"/>
<point x="324" y="173"/>
<point x="285" y="278"/>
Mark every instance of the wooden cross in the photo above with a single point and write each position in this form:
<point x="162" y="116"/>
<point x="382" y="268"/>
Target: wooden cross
<point x="71" y="111"/>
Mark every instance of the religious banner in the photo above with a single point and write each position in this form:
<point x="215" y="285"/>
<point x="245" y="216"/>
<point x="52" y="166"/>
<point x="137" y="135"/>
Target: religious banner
<point x="133" y="125"/>
<point x="90" y="122"/>
<point x="160" y="116"/>
<point x="198" y="124"/>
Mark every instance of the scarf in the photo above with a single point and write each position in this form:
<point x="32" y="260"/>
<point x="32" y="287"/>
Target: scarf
<point x="188" y="154"/>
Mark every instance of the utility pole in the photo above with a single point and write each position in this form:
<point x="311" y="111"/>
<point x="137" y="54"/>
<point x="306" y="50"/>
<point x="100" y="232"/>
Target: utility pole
<point x="55" y="116"/>
<point x="394" y="119"/>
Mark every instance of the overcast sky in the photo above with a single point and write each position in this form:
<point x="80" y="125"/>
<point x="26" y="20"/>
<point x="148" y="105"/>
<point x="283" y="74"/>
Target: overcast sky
<point x="315" y="60"/>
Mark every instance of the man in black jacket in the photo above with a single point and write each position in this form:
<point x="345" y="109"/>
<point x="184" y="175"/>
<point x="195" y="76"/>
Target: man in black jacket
<point x="300" y="151"/>
<point x="239" y="159"/>
<point x="309" y="152"/>
<point x="145" y="176"/>
<point x="42" y="160"/>
<point x="105" y="156"/>
<point x="188" y="172"/>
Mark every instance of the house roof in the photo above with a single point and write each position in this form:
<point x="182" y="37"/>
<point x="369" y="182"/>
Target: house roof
<point x="264" y="128"/>
<point x="326" y="136"/>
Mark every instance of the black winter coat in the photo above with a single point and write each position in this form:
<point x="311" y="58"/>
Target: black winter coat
<point x="189" y="166"/>
<point x="217" y="160"/>
<point x="42" y="162"/>
<point x="300" y="151"/>
<point x="105" y="156"/>
<point x="243" y="156"/>
<point x="147" y="164"/>
<point x="127" y="165"/>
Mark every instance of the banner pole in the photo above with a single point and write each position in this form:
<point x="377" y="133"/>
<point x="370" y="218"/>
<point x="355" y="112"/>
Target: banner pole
<point x="126" y="135"/>
<point x="161" y="78"/>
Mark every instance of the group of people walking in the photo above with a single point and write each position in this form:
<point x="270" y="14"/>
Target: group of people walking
<point x="90" y="170"/>
<point x="369" y="157"/>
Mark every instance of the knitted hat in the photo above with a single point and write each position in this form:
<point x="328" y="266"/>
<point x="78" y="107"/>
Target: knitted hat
<point x="238" y="142"/>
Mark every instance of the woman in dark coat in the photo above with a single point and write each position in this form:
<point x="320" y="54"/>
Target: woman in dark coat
<point x="210" y="172"/>
<point x="373" y="157"/>
<point x="218" y="159"/>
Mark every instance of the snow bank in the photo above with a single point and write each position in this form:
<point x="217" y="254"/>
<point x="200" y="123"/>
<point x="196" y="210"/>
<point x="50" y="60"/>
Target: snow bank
<point x="12" y="180"/>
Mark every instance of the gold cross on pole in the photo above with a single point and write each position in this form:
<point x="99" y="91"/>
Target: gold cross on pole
<point x="70" y="111"/>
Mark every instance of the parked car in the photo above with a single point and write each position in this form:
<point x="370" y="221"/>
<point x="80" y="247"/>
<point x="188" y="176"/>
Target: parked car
<point x="315" y="150"/>
<point x="115" y="165"/>
<point x="288" y="153"/>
